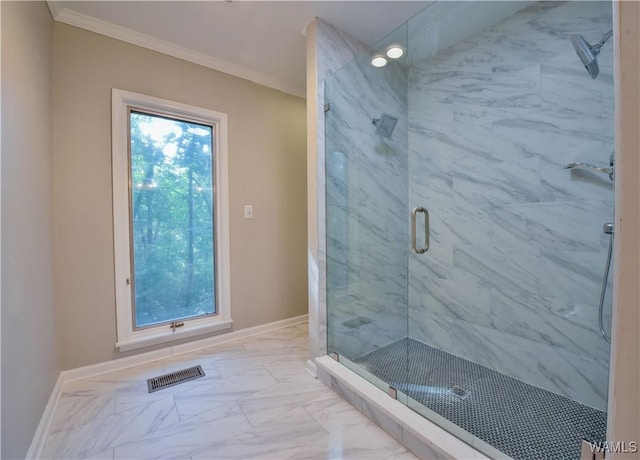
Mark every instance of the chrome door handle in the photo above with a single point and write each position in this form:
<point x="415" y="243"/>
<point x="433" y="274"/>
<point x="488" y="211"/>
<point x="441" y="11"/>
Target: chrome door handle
<point x="414" y="230"/>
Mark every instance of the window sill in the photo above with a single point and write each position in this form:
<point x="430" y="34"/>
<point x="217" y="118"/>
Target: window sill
<point x="155" y="338"/>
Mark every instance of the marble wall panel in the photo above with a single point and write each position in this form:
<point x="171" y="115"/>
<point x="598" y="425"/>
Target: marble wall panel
<point x="334" y="49"/>
<point x="512" y="279"/>
<point x="366" y="186"/>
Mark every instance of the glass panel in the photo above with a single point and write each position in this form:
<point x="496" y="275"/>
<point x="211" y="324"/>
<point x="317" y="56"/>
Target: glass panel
<point x="503" y="309"/>
<point x="172" y="219"/>
<point x="502" y="343"/>
<point x="366" y="211"/>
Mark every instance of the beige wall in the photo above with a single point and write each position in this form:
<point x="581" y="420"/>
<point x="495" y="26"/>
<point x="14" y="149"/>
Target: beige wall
<point x="30" y="364"/>
<point x="624" y="387"/>
<point x="267" y="163"/>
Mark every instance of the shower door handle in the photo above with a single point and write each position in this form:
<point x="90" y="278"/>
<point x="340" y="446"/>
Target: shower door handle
<point x="414" y="230"/>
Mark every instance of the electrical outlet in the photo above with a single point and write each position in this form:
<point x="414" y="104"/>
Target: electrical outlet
<point x="248" y="211"/>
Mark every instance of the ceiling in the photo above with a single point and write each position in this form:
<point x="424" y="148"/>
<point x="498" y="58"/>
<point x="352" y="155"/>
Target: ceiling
<point x="261" y="41"/>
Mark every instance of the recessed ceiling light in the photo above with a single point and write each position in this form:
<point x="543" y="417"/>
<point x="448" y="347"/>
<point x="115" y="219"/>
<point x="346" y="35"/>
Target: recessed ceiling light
<point x="378" y="60"/>
<point x="395" y="51"/>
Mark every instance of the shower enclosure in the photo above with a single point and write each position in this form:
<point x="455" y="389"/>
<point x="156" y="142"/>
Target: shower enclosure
<point x="465" y="261"/>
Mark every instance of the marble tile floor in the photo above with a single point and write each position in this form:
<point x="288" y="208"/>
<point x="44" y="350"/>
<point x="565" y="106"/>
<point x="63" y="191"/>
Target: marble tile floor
<point x="256" y="402"/>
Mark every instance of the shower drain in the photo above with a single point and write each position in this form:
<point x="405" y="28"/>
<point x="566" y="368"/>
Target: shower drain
<point x="459" y="392"/>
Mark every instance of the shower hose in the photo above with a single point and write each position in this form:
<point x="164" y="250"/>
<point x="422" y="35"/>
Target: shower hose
<point x="604" y="290"/>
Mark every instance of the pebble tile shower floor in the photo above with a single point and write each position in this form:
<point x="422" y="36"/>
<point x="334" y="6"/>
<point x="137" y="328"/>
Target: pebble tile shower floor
<point x="521" y="420"/>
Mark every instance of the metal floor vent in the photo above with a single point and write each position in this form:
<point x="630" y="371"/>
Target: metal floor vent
<point x="168" y="380"/>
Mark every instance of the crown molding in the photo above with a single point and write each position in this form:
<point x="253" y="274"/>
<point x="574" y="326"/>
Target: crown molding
<point x="73" y="18"/>
<point x="54" y="9"/>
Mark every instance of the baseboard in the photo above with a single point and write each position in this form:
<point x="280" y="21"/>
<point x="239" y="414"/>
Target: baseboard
<point x="40" y="436"/>
<point x="143" y="358"/>
<point x="312" y="368"/>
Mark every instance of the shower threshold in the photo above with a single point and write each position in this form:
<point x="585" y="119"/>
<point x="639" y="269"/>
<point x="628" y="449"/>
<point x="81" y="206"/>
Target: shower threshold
<point x="521" y="420"/>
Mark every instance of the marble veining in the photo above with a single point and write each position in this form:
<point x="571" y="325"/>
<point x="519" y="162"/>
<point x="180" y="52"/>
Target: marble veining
<point x="366" y="192"/>
<point x="334" y="49"/>
<point x="491" y="106"/>
<point x="256" y="401"/>
<point x="513" y="278"/>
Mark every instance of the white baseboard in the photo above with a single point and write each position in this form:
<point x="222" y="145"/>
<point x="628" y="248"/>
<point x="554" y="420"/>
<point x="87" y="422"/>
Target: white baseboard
<point x="40" y="436"/>
<point x="312" y="368"/>
<point x="143" y="358"/>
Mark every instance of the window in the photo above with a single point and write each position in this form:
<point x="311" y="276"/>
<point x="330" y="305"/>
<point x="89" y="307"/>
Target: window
<point x="171" y="219"/>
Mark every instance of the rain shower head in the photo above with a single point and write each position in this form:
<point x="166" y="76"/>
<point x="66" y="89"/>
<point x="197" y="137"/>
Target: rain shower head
<point x="588" y="54"/>
<point x="385" y="125"/>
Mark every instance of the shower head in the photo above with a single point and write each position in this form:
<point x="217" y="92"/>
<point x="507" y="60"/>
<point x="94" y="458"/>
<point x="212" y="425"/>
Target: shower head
<point x="385" y="125"/>
<point x="588" y="53"/>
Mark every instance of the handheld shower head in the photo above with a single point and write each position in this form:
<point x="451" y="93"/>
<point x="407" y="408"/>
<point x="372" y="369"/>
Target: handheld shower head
<point x="588" y="53"/>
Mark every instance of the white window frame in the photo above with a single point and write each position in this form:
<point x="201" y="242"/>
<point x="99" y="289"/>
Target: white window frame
<point x="127" y="337"/>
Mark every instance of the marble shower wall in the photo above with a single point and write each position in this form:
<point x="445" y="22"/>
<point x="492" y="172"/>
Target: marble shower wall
<point x="366" y="193"/>
<point x="334" y="49"/>
<point x="512" y="278"/>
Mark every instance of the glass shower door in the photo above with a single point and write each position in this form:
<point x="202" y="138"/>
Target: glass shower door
<point x="366" y="216"/>
<point x="492" y="332"/>
<point x="504" y="346"/>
